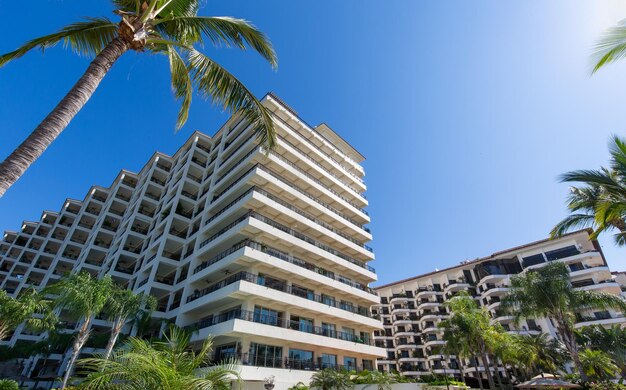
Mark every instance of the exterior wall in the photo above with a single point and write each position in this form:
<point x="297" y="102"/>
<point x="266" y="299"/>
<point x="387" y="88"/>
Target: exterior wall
<point x="265" y="251"/>
<point x="412" y="309"/>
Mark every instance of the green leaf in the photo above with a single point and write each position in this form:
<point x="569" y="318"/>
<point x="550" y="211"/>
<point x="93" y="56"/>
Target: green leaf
<point x="84" y="38"/>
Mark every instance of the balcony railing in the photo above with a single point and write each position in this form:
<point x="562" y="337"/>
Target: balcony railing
<point x="280" y="286"/>
<point x="285" y="229"/>
<point x="317" y="181"/>
<point x="285" y="257"/>
<point x="282" y="362"/>
<point x="251" y="316"/>
<point x="290" y="207"/>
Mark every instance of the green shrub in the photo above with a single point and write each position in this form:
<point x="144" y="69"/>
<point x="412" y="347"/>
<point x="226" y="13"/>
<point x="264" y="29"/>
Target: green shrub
<point x="299" y="386"/>
<point x="606" y="386"/>
<point x="8" y="384"/>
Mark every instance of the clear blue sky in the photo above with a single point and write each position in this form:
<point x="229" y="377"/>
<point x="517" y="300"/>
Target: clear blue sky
<point x="466" y="111"/>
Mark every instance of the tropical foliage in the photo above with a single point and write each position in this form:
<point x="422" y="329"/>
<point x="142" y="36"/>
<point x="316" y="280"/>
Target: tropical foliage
<point x="82" y="297"/>
<point x="122" y="305"/>
<point x="466" y="330"/>
<point x="8" y="384"/>
<point x="171" y="28"/>
<point x="611" y="47"/>
<point x="549" y="294"/>
<point x="168" y="364"/>
<point x="610" y="340"/>
<point x="328" y="379"/>
<point x="600" y="203"/>
<point x="29" y="307"/>
<point x="597" y="365"/>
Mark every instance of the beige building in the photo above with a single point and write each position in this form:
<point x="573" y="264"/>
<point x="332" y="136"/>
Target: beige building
<point x="411" y="309"/>
<point x="265" y="251"/>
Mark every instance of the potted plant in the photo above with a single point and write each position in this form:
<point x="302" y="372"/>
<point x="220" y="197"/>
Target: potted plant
<point x="269" y="382"/>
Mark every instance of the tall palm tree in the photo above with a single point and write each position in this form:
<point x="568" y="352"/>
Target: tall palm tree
<point x="548" y="293"/>
<point x="171" y="364"/>
<point x="29" y="307"/>
<point x="598" y="365"/>
<point x="82" y="297"/>
<point x="601" y="202"/>
<point x="468" y="324"/>
<point x="122" y="305"/>
<point x="172" y="28"/>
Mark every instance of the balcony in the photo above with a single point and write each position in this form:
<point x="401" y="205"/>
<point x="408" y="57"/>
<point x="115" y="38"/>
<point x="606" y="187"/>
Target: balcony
<point x="280" y="286"/>
<point x="246" y="315"/>
<point x="288" y="230"/>
<point x="246" y="359"/>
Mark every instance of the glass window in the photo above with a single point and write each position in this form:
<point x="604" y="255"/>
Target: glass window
<point x="328" y="300"/>
<point x="329" y="329"/>
<point x="329" y="361"/>
<point x="263" y="355"/>
<point x="301" y="323"/>
<point x="226" y="351"/>
<point x="266" y="316"/>
<point x="300" y="360"/>
<point x="349" y="362"/>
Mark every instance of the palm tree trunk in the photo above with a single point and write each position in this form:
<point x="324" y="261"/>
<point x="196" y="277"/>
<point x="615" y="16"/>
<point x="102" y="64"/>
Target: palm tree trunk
<point x="14" y="166"/>
<point x="492" y="385"/>
<point x="570" y="343"/>
<point x="497" y="372"/>
<point x="79" y="342"/>
<point x="480" y="378"/>
<point x="116" y="329"/>
<point x="483" y="356"/>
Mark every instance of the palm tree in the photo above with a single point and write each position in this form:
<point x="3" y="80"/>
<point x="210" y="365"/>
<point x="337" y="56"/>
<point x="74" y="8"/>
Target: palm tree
<point x="541" y="353"/>
<point x="328" y="379"/>
<point x="457" y="345"/>
<point x="169" y="364"/>
<point x="467" y="325"/>
<point x="610" y="340"/>
<point x="83" y="297"/>
<point x="548" y="293"/>
<point x="598" y="365"/>
<point x="169" y="27"/>
<point x="122" y="305"/>
<point x="600" y="203"/>
<point x="29" y="307"/>
<point x="382" y="380"/>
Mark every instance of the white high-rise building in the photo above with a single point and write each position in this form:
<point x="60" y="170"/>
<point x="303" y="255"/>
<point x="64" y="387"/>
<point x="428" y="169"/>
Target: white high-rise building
<point x="411" y="309"/>
<point x="265" y="251"/>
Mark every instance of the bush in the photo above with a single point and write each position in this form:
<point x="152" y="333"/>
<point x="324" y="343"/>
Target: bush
<point x="606" y="386"/>
<point x="8" y="384"/>
<point x="299" y="386"/>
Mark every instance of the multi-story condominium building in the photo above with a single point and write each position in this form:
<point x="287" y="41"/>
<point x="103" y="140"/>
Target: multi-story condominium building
<point x="620" y="278"/>
<point x="265" y="251"/>
<point x="411" y="309"/>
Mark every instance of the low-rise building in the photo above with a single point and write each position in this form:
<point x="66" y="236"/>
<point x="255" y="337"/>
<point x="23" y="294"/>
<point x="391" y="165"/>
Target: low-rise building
<point x="411" y="309"/>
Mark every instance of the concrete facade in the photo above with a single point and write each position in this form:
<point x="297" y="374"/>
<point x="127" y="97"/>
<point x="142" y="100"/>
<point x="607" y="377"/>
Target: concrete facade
<point x="266" y="251"/>
<point x="411" y="309"/>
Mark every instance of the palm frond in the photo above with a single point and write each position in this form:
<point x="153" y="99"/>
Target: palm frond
<point x="591" y="300"/>
<point x="127" y="5"/>
<point x="180" y="8"/>
<point x="181" y="85"/>
<point x="226" y="31"/>
<point x="611" y="47"/>
<point x="85" y="38"/>
<point x="589" y="176"/>
<point x="226" y="90"/>
<point x="572" y="221"/>
<point x="617" y="149"/>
